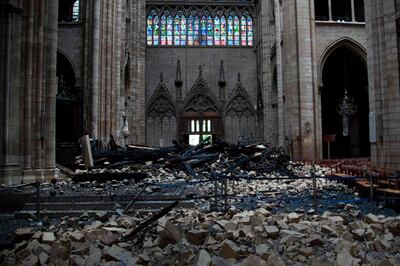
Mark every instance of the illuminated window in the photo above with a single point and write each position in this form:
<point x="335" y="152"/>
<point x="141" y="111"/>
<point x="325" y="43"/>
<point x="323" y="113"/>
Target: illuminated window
<point x="156" y="30"/>
<point x="76" y="11"/>
<point x="177" y="30"/>
<point x="203" y="30"/>
<point x="169" y="30"/>
<point x="217" y="31"/>
<point x="163" y="30"/>
<point x="150" y="30"/>
<point x="210" y="31"/>
<point x="199" y="130"/>
<point x="183" y="30"/>
<point x="236" y="33"/>
<point x="249" y="31"/>
<point x="190" y="30"/>
<point x="193" y="30"/>
<point x="196" y="31"/>
<point x="223" y="31"/>
<point x="230" y="31"/>
<point x="243" y="30"/>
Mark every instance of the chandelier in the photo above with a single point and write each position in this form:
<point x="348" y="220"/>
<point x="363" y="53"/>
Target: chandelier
<point x="346" y="108"/>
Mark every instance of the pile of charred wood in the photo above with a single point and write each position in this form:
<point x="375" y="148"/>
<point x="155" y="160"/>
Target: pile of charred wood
<point x="219" y="157"/>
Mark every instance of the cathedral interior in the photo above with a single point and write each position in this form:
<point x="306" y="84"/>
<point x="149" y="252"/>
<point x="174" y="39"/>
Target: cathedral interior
<point x="220" y="91"/>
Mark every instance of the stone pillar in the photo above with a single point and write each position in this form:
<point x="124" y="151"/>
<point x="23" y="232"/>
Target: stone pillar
<point x="10" y="89"/>
<point x="95" y="77"/>
<point x="299" y="78"/>
<point x="51" y="87"/>
<point x="278" y="30"/>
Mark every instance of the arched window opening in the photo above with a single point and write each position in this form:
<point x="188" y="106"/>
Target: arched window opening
<point x="359" y="10"/>
<point x="196" y="33"/>
<point x="210" y="30"/>
<point x="230" y="31"/>
<point x="223" y="31"/>
<point x="341" y="10"/>
<point x="156" y="30"/>
<point x="163" y="30"/>
<point x="243" y="30"/>
<point x="249" y="31"/>
<point x="76" y="11"/>
<point x="69" y="11"/>
<point x="183" y="30"/>
<point x="321" y="10"/>
<point x="190" y="31"/>
<point x="177" y="30"/>
<point x="203" y="30"/>
<point x="169" y="30"/>
<point x="150" y="30"/>
<point x="217" y="31"/>
<point x="236" y="31"/>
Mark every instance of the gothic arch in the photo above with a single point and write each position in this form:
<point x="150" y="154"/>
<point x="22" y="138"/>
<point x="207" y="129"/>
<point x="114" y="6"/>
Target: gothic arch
<point x="348" y="42"/>
<point x="161" y="118"/>
<point x="161" y="104"/>
<point x="64" y="59"/>
<point x="239" y="115"/>
<point x="201" y="98"/>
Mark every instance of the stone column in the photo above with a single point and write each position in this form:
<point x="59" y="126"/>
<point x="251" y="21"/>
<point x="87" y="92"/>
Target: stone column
<point x="278" y="29"/>
<point x="95" y="77"/>
<point x="51" y="86"/>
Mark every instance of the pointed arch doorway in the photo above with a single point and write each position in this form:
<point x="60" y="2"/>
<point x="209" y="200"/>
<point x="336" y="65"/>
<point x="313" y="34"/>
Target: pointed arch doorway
<point x="69" y="110"/>
<point x="344" y="72"/>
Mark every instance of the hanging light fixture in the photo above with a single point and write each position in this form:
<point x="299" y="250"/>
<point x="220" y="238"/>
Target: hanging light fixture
<point x="346" y="106"/>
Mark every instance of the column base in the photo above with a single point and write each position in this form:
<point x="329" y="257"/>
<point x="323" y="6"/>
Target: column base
<point x="40" y="175"/>
<point x="10" y="174"/>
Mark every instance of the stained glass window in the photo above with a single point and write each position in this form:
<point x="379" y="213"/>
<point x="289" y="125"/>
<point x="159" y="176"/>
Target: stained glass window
<point x="217" y="31"/>
<point x="177" y="30"/>
<point x="243" y="28"/>
<point x="203" y="30"/>
<point x="183" y="30"/>
<point x="223" y="31"/>
<point x="190" y="28"/>
<point x="76" y="11"/>
<point x="196" y="31"/>
<point x="207" y="30"/>
<point x="150" y="30"/>
<point x="163" y="30"/>
<point x="249" y="31"/>
<point x="236" y="33"/>
<point x="210" y="31"/>
<point x="156" y="30"/>
<point x="169" y="30"/>
<point x="230" y="31"/>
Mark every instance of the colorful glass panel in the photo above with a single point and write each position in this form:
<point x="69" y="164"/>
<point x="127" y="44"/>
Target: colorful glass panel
<point x="196" y="31"/>
<point x="210" y="30"/>
<point x="177" y="30"/>
<point x="183" y="30"/>
<point x="236" y="32"/>
<point x="203" y="31"/>
<point x="150" y="30"/>
<point x="230" y="30"/>
<point x="163" y="30"/>
<point x="249" y="31"/>
<point x="217" y="31"/>
<point x="243" y="27"/>
<point x="156" y="30"/>
<point x="223" y="31"/>
<point x="190" y="30"/>
<point x="169" y="30"/>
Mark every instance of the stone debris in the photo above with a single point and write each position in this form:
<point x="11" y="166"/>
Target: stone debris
<point x="214" y="238"/>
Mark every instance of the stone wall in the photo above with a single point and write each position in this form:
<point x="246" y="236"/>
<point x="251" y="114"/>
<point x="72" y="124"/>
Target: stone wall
<point x="383" y="74"/>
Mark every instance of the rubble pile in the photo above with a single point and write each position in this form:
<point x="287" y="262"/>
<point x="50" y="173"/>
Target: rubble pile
<point x="192" y="237"/>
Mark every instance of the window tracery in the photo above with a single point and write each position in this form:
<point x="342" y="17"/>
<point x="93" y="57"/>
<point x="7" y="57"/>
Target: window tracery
<point x="200" y="27"/>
